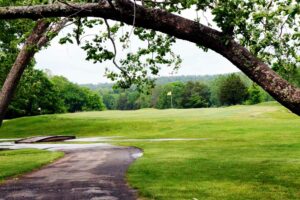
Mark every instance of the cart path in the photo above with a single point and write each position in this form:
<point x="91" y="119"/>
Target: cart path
<point x="96" y="173"/>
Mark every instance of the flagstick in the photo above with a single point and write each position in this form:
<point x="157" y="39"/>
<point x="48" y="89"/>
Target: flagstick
<point x="170" y="94"/>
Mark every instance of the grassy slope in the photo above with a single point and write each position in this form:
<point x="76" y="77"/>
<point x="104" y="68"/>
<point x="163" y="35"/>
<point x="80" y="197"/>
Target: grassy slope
<point x="20" y="161"/>
<point x="253" y="152"/>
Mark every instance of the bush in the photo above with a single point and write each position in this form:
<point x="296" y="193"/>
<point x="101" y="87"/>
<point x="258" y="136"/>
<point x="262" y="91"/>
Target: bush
<point x="255" y="95"/>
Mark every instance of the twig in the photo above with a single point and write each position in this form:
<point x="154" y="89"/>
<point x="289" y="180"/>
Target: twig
<point x="114" y="46"/>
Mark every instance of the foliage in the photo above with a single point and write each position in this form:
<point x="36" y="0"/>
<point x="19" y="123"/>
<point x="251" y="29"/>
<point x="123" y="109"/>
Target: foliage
<point x="163" y="80"/>
<point x="232" y="91"/>
<point x="255" y="96"/>
<point x="35" y="90"/>
<point x="294" y="77"/>
<point x="11" y="36"/>
<point x="109" y="99"/>
<point x="214" y="89"/>
<point x="39" y="94"/>
<point x="36" y="94"/>
<point x="164" y="100"/>
<point x="196" y="95"/>
<point x="120" y="99"/>
<point x="190" y="94"/>
<point x="136" y="66"/>
<point x="76" y="98"/>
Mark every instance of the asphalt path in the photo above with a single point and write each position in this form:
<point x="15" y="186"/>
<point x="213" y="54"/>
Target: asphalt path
<point x="95" y="173"/>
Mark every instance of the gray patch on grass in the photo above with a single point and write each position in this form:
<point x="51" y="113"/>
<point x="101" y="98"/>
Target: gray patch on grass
<point x="112" y="139"/>
<point x="51" y="147"/>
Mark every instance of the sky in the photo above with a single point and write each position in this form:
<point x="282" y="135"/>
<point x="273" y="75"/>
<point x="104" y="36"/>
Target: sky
<point x="69" y="60"/>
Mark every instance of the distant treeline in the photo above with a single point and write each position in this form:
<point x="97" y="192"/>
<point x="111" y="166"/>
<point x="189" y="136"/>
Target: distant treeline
<point x="185" y="92"/>
<point x="160" y="81"/>
<point x="41" y="93"/>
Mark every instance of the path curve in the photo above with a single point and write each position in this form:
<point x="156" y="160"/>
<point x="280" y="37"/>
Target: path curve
<point x="95" y="173"/>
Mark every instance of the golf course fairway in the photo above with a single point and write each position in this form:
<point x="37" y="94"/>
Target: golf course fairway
<point x="249" y="152"/>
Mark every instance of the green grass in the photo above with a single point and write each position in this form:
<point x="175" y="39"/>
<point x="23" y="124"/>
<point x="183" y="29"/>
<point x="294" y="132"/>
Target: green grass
<point x="252" y="152"/>
<point x="16" y="162"/>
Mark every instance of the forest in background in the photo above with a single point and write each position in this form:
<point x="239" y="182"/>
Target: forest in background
<point x="42" y="93"/>
<point x="187" y="92"/>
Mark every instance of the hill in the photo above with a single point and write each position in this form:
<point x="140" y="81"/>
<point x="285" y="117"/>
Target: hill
<point x="160" y="80"/>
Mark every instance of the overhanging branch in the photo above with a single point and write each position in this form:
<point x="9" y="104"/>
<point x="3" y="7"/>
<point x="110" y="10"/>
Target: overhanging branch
<point x="123" y="11"/>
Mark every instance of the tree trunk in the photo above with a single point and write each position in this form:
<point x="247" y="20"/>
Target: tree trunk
<point x="37" y="39"/>
<point x="176" y="26"/>
<point x="23" y="59"/>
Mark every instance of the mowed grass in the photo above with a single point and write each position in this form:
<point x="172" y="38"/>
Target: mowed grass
<point x="251" y="152"/>
<point x="15" y="162"/>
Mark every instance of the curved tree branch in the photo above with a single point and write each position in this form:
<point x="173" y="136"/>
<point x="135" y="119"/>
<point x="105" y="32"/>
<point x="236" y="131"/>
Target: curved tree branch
<point x="114" y="46"/>
<point x="177" y="26"/>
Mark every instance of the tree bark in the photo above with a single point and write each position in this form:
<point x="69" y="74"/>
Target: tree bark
<point x="176" y="26"/>
<point x="37" y="39"/>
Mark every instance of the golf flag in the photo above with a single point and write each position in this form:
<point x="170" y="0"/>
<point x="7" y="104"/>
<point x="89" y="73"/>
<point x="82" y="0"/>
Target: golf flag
<point x="169" y="93"/>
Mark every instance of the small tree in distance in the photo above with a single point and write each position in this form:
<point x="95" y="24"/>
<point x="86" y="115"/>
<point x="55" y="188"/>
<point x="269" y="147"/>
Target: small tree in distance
<point x="196" y="95"/>
<point x="232" y="91"/>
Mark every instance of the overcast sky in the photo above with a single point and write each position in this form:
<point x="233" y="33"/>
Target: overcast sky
<point x="69" y="60"/>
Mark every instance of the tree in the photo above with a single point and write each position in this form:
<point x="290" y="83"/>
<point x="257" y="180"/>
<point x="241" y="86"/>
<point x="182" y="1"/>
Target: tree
<point x="122" y="102"/>
<point x="109" y="99"/>
<point x="195" y="95"/>
<point x="214" y="89"/>
<point x="38" y="38"/>
<point x="249" y="29"/>
<point x="23" y="59"/>
<point x="144" y="100"/>
<point x="36" y="95"/>
<point x="164" y="101"/>
<point x="76" y="98"/>
<point x="255" y="95"/>
<point x="155" y="94"/>
<point x="129" y="99"/>
<point x="93" y="101"/>
<point x="232" y="91"/>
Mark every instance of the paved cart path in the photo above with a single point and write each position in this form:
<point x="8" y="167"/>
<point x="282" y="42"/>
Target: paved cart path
<point x="95" y="173"/>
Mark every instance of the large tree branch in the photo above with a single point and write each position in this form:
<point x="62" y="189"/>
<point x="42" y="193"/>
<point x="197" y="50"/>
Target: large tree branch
<point x="179" y="27"/>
